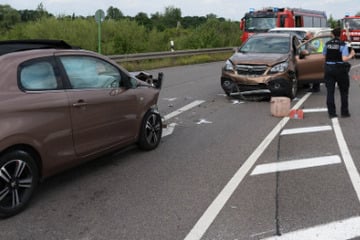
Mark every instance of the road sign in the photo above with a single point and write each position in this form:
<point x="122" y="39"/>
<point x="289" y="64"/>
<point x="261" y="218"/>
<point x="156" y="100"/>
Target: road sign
<point x="99" y="16"/>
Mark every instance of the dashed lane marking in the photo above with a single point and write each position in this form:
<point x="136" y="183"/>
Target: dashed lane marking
<point x="295" y="164"/>
<point x="305" y="130"/>
<point x="312" y="110"/>
<point x="183" y="109"/>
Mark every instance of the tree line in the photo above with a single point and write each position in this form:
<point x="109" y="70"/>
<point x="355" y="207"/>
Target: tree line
<point x="124" y="34"/>
<point x="121" y="34"/>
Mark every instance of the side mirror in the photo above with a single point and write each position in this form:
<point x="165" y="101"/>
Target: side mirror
<point x="130" y="83"/>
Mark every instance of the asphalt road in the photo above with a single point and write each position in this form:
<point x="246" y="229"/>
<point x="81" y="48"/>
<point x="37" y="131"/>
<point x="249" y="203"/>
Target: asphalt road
<point x="226" y="169"/>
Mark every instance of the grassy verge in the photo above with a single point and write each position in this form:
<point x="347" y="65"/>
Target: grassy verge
<point x="178" y="61"/>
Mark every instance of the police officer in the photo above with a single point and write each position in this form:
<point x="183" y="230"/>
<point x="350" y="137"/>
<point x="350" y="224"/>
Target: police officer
<point x="336" y="54"/>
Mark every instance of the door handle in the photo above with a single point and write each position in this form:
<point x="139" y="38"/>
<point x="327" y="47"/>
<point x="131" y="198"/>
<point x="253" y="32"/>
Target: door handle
<point x="80" y="103"/>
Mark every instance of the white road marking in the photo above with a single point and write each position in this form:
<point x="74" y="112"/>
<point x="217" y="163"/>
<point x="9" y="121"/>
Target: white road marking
<point x="305" y="130"/>
<point x="339" y="230"/>
<point x="237" y="102"/>
<point x="183" y="109"/>
<point x="168" y="130"/>
<point x="219" y="202"/>
<point x="295" y="164"/>
<point x="312" y="110"/>
<point x="203" y="121"/>
<point x="346" y="155"/>
<point x="170" y="127"/>
<point x="170" y="99"/>
<point x="256" y="235"/>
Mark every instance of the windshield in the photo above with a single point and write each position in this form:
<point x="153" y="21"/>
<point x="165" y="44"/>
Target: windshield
<point x="257" y="24"/>
<point x="266" y="45"/>
<point x="352" y="23"/>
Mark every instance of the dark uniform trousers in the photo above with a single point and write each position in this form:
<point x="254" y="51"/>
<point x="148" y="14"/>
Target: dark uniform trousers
<point x="337" y="73"/>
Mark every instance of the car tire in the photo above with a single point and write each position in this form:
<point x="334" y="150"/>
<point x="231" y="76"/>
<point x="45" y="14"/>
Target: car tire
<point x="19" y="177"/>
<point x="293" y="86"/>
<point x="150" y="132"/>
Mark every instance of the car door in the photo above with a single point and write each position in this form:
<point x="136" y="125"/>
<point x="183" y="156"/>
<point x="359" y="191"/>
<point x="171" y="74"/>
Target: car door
<point x="41" y="113"/>
<point x="310" y="60"/>
<point x="103" y="112"/>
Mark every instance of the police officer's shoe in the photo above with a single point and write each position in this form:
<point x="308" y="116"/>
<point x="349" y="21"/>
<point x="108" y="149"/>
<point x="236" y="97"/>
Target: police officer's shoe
<point x="332" y="115"/>
<point x="345" y="115"/>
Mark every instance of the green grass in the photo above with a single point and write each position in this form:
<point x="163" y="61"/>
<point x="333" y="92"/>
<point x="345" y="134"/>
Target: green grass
<point x="178" y="61"/>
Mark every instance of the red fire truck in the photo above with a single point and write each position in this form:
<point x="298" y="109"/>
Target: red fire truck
<point x="267" y="18"/>
<point x="351" y="32"/>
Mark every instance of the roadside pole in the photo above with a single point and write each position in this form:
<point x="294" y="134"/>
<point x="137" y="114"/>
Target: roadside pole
<point x="99" y="17"/>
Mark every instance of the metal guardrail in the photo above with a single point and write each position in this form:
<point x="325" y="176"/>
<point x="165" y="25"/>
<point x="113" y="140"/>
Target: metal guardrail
<point x="168" y="54"/>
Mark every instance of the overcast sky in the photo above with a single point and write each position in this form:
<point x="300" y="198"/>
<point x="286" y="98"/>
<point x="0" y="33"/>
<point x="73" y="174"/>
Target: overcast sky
<point x="233" y="10"/>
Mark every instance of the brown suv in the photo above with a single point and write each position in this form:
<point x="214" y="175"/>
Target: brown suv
<point x="273" y="64"/>
<point x="60" y="106"/>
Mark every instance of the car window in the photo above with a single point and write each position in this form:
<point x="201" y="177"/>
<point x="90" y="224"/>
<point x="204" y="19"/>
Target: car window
<point x="38" y="75"/>
<point x="315" y="45"/>
<point x="89" y="72"/>
<point x="266" y="45"/>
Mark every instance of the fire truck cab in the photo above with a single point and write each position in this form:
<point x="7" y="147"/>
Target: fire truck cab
<point x="351" y="32"/>
<point x="256" y="21"/>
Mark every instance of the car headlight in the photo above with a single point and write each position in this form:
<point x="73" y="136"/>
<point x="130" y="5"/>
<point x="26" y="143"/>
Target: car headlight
<point x="228" y="66"/>
<point x="282" y="67"/>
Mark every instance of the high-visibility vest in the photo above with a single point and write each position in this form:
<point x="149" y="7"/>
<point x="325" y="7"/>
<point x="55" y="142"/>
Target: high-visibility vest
<point x="318" y="45"/>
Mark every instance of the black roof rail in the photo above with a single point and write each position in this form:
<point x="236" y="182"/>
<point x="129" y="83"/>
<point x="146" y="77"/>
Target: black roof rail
<point x="30" y="44"/>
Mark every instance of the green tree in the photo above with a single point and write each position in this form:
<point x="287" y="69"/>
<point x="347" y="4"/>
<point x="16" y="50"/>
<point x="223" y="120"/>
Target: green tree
<point x="114" y="13"/>
<point x="157" y="20"/>
<point x="172" y="17"/>
<point x="192" y="22"/>
<point x="125" y="35"/>
<point x="29" y="15"/>
<point x="8" y="17"/>
<point x="332" y="22"/>
<point x="211" y="16"/>
<point x="42" y="11"/>
<point x="142" y="19"/>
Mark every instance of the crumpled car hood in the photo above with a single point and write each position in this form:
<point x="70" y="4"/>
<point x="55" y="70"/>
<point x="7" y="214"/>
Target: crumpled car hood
<point x="148" y="78"/>
<point x="269" y="59"/>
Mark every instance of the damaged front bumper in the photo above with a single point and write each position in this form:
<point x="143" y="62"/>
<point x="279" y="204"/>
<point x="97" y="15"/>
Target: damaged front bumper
<point x="273" y="87"/>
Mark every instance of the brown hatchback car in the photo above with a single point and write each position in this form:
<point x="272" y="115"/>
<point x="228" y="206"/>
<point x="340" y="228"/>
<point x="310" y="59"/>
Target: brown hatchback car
<point x="273" y="64"/>
<point x="60" y="106"/>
